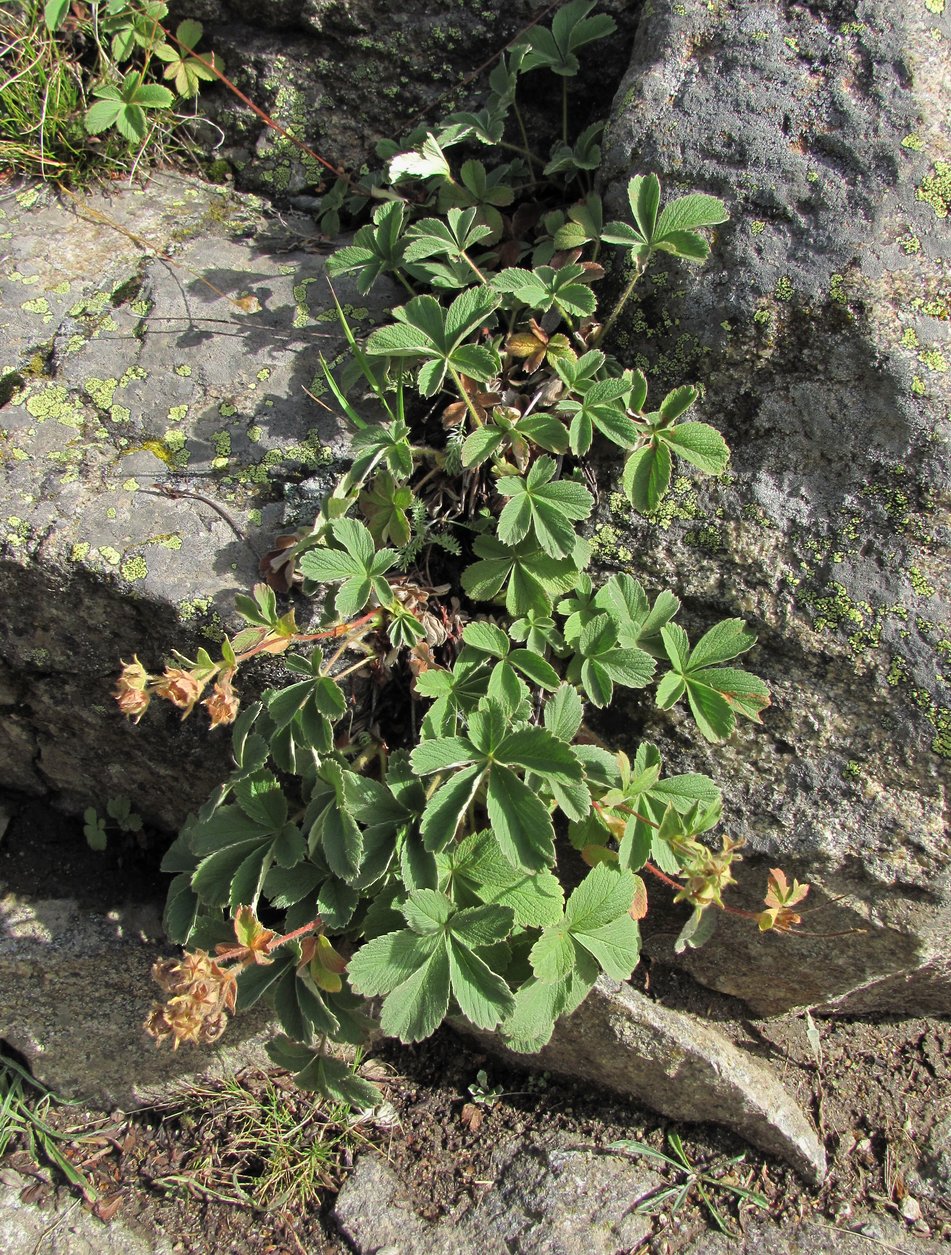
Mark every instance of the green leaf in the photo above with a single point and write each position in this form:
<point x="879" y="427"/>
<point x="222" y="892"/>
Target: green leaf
<point x="153" y="96"/>
<point x="548" y="507"/>
<point x="520" y="821"/>
<point x="643" y="193"/>
<point x="689" y="212"/>
<point x="427" y="161"/>
<point x="477" y="867"/>
<point x="537" y="1006"/>
<point x="564" y="713"/>
<point x="553" y="954"/>
<point x="725" y="640"/>
<point x="483" y="997"/>
<point x="531" y="577"/>
<point x="385" y="963"/>
<point x="100" y="116"/>
<point x="486" y="637"/>
<point x="647" y="476"/>
<point x="416" y="1008"/>
<point x="715" y="694"/>
<point x="447" y="807"/>
<point x="54" y="11"/>
<point x="442" y="754"/>
<point x="571" y="29"/>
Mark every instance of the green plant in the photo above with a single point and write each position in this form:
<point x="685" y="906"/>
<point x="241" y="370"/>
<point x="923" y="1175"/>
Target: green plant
<point x="252" y="1145"/>
<point x="413" y="810"/>
<point x="482" y="1093"/>
<point x="119" y="810"/>
<point x="81" y="71"/>
<point x="704" y="1179"/>
<point x="24" y="1110"/>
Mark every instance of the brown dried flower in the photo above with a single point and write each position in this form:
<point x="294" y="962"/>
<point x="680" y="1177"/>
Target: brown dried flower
<point x="222" y="705"/>
<point x="131" y="690"/>
<point x="202" y="993"/>
<point x="179" y="687"/>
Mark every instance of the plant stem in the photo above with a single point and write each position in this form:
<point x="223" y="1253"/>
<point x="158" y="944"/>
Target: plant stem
<point x="474" y="268"/>
<point x="522" y="152"/>
<point x="621" y="302"/>
<point x="467" y="400"/>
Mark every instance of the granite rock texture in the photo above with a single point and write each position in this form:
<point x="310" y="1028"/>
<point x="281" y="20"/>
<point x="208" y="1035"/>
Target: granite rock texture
<point x="76" y="988"/>
<point x="129" y="366"/>
<point x="676" y="1064"/>
<point x="819" y="332"/>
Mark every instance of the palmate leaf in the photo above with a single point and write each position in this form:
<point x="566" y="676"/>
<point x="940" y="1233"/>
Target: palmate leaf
<point x="452" y="238"/>
<point x="495" y="756"/>
<point x="600" y="662"/>
<point x="416" y="970"/>
<point x="377" y="248"/>
<point x="544" y="288"/>
<point x="425" y="162"/>
<point x="474" y="871"/>
<point x="602" y="407"/>
<point x="674" y="231"/>
<point x="545" y="506"/>
<point x="424" y="330"/>
<point x="313" y="1070"/>
<point x="638" y="622"/>
<point x="355" y="563"/>
<point x="530" y="577"/>
<point x="647" y="472"/>
<point x="716" y="694"/>
<point x="596" y="925"/>
<point x="571" y="29"/>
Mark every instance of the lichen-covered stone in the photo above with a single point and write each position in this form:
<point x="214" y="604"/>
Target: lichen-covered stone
<point x="819" y="331"/>
<point x="146" y="373"/>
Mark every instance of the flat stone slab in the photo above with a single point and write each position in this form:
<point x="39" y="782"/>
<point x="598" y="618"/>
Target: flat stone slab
<point x="76" y="989"/>
<point x="678" y="1065"/>
<point x="558" y="1200"/>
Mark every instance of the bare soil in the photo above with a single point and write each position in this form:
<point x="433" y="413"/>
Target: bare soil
<point x="873" y="1087"/>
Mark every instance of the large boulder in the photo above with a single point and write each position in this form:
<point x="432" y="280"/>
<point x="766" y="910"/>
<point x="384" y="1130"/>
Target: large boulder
<point x="132" y="363"/>
<point x="819" y="331"/>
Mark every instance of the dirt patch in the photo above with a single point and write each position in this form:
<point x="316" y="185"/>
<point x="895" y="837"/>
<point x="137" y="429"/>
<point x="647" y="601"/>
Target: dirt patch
<point x="874" y="1089"/>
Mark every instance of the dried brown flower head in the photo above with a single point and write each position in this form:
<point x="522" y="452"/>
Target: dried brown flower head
<point x="202" y="993"/>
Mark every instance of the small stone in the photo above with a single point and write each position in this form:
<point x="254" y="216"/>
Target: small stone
<point x="911" y="1209"/>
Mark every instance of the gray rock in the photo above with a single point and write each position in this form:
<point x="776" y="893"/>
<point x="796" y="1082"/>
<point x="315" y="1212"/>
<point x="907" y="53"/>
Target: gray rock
<point x="342" y="74"/>
<point x="818" y="329"/>
<point x="932" y="1176"/>
<point x="678" y="1065"/>
<point x="126" y="366"/>
<point x="65" y="1228"/>
<point x="558" y="1200"/>
<point x="76" y="988"/>
<point x="856" y="1237"/>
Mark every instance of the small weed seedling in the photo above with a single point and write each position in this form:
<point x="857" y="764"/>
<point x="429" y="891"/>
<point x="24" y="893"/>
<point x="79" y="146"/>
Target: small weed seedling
<point x="123" y="819"/>
<point x="704" y="1180"/>
<point x="481" y="1093"/>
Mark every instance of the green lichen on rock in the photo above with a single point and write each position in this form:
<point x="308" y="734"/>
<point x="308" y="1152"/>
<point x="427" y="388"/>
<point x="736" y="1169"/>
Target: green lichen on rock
<point x="134" y="568"/>
<point x="918" y="582"/>
<point x="935" y="189"/>
<point x="52" y="402"/>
